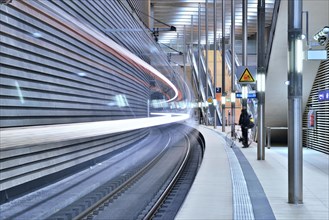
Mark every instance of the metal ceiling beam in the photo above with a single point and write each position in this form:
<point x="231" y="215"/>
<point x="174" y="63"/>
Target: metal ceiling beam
<point x="178" y="13"/>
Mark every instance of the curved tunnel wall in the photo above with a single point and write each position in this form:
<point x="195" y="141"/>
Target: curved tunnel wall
<point x="54" y="72"/>
<point x="29" y="167"/>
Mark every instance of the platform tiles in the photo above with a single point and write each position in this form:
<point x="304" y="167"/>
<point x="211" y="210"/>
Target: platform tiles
<point x="273" y="175"/>
<point x="219" y="190"/>
<point x="213" y="196"/>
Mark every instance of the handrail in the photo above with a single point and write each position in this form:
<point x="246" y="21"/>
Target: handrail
<point x="196" y="77"/>
<point x="210" y="86"/>
<point x="201" y="82"/>
<point x="272" y="32"/>
<point x="200" y="85"/>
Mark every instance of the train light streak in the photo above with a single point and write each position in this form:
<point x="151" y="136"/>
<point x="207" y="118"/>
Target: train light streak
<point x="15" y="137"/>
<point x="120" y="52"/>
<point x="19" y="91"/>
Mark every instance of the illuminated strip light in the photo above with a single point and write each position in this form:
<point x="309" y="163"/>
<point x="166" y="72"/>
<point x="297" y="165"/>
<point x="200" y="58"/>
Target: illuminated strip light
<point x="299" y="55"/>
<point x="122" y="51"/>
<point x="232" y="97"/>
<point x="261" y="82"/>
<point x="244" y="92"/>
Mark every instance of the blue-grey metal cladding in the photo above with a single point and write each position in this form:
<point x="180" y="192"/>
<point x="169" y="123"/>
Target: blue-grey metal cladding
<point x="57" y="70"/>
<point x="53" y="73"/>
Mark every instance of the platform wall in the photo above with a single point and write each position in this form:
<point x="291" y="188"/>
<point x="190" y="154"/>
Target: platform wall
<point x="53" y="71"/>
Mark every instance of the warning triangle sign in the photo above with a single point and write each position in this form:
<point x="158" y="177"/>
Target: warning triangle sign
<point x="246" y="77"/>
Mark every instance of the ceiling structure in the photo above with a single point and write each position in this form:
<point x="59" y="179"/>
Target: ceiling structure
<point x="178" y="13"/>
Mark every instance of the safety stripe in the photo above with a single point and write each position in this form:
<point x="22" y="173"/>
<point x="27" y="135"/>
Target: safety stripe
<point x="241" y="200"/>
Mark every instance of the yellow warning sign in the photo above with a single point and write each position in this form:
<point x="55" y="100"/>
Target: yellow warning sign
<point x="246" y="77"/>
<point x="209" y="100"/>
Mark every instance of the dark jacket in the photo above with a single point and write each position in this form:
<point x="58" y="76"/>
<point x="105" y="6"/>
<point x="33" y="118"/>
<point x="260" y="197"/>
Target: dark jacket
<point x="244" y="119"/>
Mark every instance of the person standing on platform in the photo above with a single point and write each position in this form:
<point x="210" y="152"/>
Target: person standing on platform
<point x="244" y="123"/>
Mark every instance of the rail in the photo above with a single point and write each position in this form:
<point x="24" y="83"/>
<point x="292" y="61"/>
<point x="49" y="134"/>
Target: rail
<point x="170" y="186"/>
<point x="272" y="31"/>
<point x="94" y="209"/>
<point x="88" y="213"/>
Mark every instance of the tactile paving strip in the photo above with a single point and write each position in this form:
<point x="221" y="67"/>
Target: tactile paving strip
<point x="241" y="201"/>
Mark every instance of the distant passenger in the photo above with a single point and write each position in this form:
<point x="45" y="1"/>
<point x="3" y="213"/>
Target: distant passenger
<point x="244" y="121"/>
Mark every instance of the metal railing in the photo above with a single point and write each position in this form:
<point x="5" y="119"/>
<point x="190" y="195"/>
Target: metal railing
<point x="199" y="78"/>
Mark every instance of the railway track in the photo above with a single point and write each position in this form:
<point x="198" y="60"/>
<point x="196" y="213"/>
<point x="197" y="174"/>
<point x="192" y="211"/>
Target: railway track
<point x="93" y="211"/>
<point x="144" y="194"/>
<point x="173" y="196"/>
<point x="146" y="190"/>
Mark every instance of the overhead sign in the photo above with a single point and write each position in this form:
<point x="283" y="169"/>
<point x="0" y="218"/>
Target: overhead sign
<point x="324" y="95"/>
<point x="247" y="74"/>
<point x="251" y="95"/>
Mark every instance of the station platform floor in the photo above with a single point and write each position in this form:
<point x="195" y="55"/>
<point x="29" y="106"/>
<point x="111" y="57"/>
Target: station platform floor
<point x="233" y="184"/>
